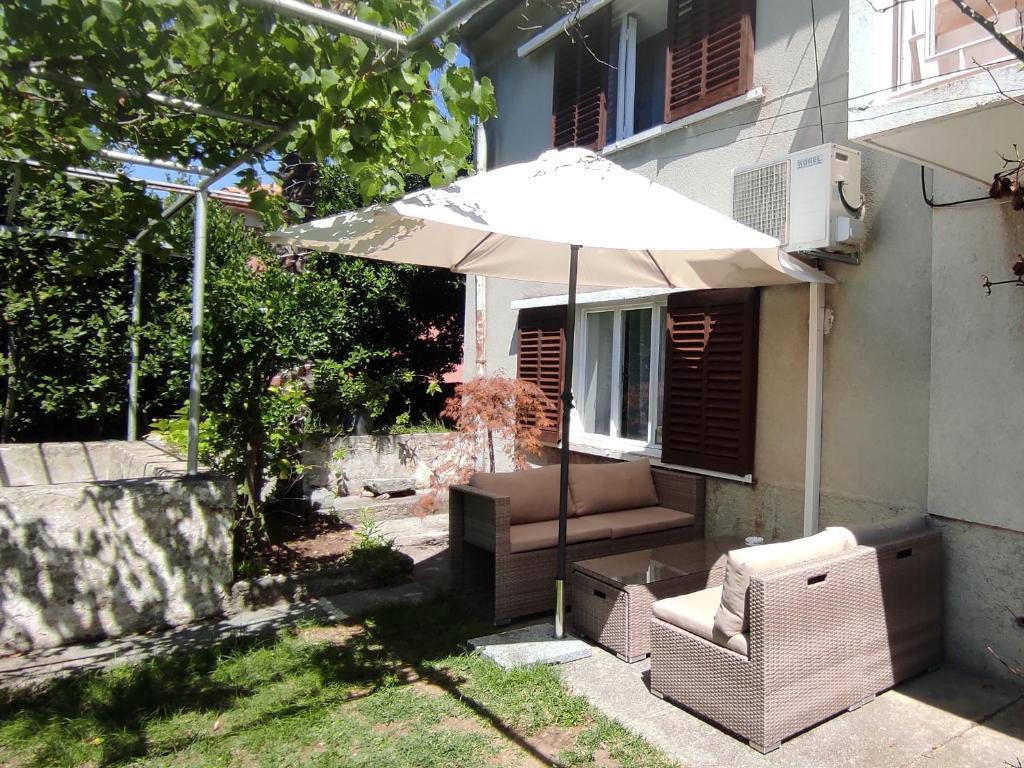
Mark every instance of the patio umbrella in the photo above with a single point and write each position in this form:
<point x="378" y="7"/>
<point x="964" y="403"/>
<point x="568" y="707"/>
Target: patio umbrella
<point x="568" y="216"/>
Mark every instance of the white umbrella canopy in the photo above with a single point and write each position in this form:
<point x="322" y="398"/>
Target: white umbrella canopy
<point x="571" y="217"/>
<point x="515" y="222"/>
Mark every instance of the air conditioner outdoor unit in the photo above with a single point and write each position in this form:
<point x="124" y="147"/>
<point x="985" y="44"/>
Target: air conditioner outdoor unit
<point x="799" y="200"/>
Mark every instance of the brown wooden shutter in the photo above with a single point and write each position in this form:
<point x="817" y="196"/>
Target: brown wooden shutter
<point x="541" y="358"/>
<point x="710" y="56"/>
<point x="579" y="110"/>
<point x="711" y="380"/>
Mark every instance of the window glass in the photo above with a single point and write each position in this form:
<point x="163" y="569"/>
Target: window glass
<point x="636" y="373"/>
<point x="597" y="387"/>
<point x="649" y="98"/>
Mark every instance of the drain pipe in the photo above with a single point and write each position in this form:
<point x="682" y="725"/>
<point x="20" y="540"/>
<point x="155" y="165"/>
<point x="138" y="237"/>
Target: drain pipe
<point x="479" y="281"/>
<point x="815" y="387"/>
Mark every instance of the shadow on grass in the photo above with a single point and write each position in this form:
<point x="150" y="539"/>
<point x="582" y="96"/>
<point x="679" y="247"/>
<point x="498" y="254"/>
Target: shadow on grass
<point x="113" y="710"/>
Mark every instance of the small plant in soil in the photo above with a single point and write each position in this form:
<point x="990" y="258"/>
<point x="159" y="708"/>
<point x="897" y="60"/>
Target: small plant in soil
<point x="374" y="557"/>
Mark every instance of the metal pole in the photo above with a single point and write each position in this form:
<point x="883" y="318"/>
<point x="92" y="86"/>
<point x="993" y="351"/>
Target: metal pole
<point x="168" y="101"/>
<point x="332" y="20"/>
<point x="158" y="163"/>
<point x="196" y="347"/>
<point x="133" y="348"/>
<point x="563" y="482"/>
<point x="815" y="386"/>
<point x="445" y="21"/>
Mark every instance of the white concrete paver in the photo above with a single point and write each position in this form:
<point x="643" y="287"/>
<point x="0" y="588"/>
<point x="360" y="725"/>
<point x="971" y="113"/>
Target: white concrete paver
<point x="945" y="719"/>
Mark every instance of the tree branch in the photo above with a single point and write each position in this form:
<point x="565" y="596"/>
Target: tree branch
<point x="995" y="82"/>
<point x="989" y="26"/>
<point x="891" y="6"/>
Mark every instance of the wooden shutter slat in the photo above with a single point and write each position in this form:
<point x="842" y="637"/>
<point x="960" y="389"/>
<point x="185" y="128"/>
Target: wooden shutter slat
<point x="711" y="380"/>
<point x="579" y="110"/>
<point x="541" y="359"/>
<point x="710" y="54"/>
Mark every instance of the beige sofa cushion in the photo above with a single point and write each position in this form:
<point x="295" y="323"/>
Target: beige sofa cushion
<point x="532" y="493"/>
<point x="544" y="535"/>
<point x="886" y="531"/>
<point x="610" y="487"/>
<point x="731" y="618"/>
<point x="695" y="613"/>
<point x="633" y="522"/>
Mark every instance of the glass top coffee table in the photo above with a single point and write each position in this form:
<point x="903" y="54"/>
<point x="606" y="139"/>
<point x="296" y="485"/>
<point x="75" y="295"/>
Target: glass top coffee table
<point x="612" y="596"/>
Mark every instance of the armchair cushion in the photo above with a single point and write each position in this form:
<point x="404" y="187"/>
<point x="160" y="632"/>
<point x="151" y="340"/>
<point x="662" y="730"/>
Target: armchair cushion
<point x="695" y="613"/>
<point x="532" y="493"/>
<point x="731" y="618"/>
<point x="527" y="537"/>
<point x="633" y="522"/>
<point x="611" y="487"/>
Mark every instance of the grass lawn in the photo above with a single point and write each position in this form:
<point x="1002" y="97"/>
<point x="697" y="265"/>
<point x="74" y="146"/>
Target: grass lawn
<point x="397" y="689"/>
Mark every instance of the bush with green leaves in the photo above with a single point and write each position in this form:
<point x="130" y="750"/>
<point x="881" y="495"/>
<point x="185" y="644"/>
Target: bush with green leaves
<point x="64" y="303"/>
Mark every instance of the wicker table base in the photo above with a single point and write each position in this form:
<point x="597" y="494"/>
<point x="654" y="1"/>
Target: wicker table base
<point x="612" y="596"/>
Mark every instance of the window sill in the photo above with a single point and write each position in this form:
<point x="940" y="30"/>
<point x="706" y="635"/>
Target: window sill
<point x="753" y="96"/>
<point x="627" y="449"/>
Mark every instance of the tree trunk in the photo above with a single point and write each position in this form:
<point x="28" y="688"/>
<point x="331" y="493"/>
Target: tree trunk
<point x="12" y="381"/>
<point x="490" y="448"/>
<point x="252" y="488"/>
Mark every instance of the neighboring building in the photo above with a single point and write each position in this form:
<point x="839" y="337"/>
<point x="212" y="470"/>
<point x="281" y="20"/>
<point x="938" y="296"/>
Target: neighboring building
<point x="923" y="373"/>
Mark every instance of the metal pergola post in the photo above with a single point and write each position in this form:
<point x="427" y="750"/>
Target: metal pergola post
<point x="133" y="347"/>
<point x="195" y="357"/>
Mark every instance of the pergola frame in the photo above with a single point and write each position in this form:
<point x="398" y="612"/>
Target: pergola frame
<point x="199" y="192"/>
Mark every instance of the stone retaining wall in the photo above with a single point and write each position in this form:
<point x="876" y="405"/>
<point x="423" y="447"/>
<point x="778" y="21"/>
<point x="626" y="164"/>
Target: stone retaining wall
<point x="103" y="539"/>
<point x="342" y="464"/>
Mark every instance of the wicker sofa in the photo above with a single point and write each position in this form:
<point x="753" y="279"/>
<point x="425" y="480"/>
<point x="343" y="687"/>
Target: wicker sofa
<point x="503" y="527"/>
<point x="803" y="630"/>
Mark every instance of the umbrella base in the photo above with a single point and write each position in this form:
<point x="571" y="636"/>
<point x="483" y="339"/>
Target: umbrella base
<point x="535" y="644"/>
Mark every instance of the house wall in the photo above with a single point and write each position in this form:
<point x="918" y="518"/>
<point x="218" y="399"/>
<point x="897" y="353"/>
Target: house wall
<point x="879" y="355"/>
<point x="977" y="422"/>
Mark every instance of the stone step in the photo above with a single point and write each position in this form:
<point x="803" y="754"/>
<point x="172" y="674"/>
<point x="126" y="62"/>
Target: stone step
<point x="349" y="508"/>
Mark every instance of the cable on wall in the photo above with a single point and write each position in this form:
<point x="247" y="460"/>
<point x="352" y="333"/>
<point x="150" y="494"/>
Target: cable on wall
<point x="817" y="72"/>
<point x="932" y="204"/>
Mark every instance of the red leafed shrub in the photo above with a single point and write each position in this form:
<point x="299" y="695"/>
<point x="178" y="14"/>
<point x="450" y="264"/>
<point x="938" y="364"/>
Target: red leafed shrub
<point x="486" y="410"/>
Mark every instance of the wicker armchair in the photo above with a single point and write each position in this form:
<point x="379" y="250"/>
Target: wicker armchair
<point x="824" y="636"/>
<point x="511" y="584"/>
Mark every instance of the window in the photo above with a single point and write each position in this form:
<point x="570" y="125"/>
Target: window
<point x="711" y="379"/>
<point x="620" y="380"/>
<point x="540" y="358"/>
<point x="935" y="38"/>
<point x="579" y="110"/>
<point x="640" y="63"/>
<point x="677" y="375"/>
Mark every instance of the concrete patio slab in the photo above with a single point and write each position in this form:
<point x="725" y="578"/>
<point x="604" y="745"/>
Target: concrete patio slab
<point x="535" y="644"/>
<point x="943" y="719"/>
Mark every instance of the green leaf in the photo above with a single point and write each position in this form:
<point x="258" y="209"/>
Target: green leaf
<point x="111" y="9"/>
<point x="89" y="139"/>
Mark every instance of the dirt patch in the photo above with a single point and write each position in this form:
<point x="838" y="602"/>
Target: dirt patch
<point x="552" y="740"/>
<point x="462" y="725"/>
<point x="338" y="634"/>
<point x="602" y="759"/>
<point x="539" y="749"/>
<point x="392" y="730"/>
<point x="427" y="688"/>
<point x="515" y="757"/>
<point x="305" y="543"/>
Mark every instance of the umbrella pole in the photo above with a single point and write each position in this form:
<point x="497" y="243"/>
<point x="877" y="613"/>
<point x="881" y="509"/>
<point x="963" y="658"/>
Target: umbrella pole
<point x="563" y="483"/>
